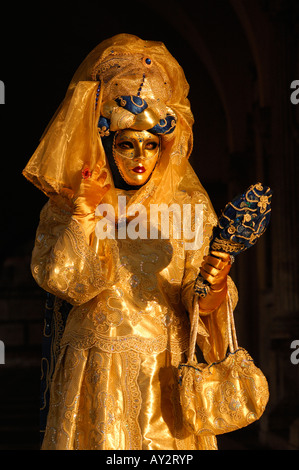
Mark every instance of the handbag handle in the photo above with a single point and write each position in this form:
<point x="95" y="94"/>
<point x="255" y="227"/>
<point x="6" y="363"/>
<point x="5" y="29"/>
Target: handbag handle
<point x="232" y="334"/>
<point x="231" y="329"/>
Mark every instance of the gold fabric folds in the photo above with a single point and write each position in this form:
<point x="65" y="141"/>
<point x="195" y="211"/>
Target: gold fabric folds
<point x="223" y="396"/>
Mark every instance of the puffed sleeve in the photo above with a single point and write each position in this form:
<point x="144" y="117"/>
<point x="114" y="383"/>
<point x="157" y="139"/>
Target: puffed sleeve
<point x="63" y="263"/>
<point x="212" y="328"/>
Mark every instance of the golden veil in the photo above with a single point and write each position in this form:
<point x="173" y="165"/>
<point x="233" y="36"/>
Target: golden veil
<point x="72" y="138"/>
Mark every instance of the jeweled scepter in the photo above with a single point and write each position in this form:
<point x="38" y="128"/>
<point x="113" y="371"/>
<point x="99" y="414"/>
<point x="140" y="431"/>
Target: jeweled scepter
<point x="240" y="225"/>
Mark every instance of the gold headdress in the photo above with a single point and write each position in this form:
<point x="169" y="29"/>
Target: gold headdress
<point x="125" y="82"/>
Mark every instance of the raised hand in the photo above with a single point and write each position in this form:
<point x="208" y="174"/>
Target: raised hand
<point x="91" y="191"/>
<point x="89" y="195"/>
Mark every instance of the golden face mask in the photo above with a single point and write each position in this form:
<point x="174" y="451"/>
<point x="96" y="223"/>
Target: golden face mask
<point x="136" y="154"/>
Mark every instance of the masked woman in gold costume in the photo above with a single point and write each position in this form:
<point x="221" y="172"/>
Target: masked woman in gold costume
<point x="124" y="129"/>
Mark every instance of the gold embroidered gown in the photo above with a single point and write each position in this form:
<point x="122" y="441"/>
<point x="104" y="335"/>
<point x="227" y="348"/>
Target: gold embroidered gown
<point x="115" y="385"/>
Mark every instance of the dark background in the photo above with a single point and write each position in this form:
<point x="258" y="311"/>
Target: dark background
<point x="239" y="57"/>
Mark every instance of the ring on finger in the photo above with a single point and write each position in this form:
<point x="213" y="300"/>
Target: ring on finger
<point x="86" y="173"/>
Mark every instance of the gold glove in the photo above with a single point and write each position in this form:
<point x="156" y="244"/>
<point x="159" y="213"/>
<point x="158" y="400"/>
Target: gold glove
<point x="214" y="269"/>
<point x="88" y="197"/>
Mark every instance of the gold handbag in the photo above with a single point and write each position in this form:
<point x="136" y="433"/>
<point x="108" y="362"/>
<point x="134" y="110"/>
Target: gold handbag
<point x="223" y="396"/>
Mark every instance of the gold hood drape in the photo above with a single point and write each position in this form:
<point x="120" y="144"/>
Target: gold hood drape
<point x="72" y="139"/>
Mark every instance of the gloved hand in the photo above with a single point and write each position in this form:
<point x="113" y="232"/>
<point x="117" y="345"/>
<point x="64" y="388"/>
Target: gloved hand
<point x="214" y="269"/>
<point x="88" y="197"/>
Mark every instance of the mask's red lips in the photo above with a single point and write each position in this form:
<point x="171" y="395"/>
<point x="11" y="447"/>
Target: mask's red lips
<point x="139" y="169"/>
